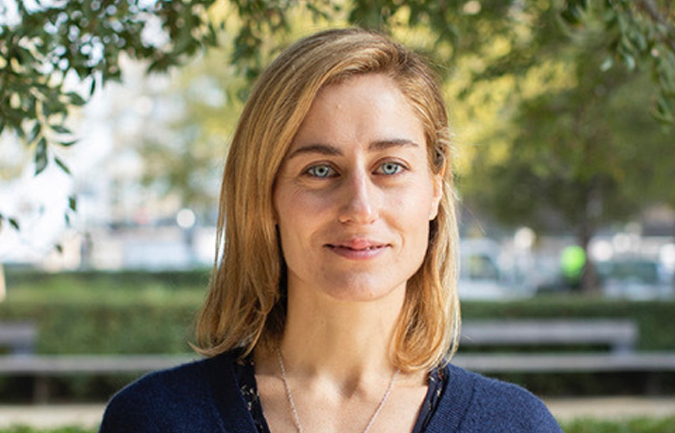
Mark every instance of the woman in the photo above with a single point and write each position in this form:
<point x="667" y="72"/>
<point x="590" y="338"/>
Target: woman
<point x="334" y="306"/>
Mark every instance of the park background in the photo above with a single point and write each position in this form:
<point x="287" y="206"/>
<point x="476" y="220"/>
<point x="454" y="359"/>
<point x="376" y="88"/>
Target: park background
<point x="116" y="117"/>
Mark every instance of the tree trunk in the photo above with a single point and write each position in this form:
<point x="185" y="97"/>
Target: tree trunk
<point x="590" y="284"/>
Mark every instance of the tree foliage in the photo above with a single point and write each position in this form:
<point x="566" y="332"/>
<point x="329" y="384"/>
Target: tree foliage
<point x="578" y="153"/>
<point x="53" y="43"/>
<point x="640" y="32"/>
<point x="48" y="48"/>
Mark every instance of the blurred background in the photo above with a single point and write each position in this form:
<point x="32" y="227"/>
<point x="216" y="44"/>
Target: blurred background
<point x="116" y="119"/>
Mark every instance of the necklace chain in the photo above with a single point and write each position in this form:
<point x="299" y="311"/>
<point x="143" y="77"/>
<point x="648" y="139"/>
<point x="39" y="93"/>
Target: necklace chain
<point x="296" y="419"/>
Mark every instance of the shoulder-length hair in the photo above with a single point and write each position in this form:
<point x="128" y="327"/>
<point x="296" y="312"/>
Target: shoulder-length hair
<point x="246" y="303"/>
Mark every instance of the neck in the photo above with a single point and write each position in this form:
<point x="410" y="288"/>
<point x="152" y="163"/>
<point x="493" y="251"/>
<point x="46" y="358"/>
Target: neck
<point x="348" y="343"/>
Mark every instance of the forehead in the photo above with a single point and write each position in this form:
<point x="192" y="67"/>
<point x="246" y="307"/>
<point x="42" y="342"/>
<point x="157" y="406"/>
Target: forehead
<point x="362" y="108"/>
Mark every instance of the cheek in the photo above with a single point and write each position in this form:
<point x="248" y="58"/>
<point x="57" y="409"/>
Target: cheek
<point x="414" y="211"/>
<point x="299" y="215"/>
<point x="417" y="204"/>
<point x="295" y="207"/>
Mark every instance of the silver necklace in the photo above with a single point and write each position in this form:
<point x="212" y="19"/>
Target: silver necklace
<point x="296" y="419"/>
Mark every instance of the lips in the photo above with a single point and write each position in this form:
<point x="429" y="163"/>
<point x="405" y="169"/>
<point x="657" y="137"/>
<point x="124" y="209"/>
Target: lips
<point x="358" y="249"/>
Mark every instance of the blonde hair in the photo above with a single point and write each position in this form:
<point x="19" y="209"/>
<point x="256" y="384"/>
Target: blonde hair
<point x="246" y="303"/>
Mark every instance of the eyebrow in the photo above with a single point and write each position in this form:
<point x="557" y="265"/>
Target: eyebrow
<point x="329" y="150"/>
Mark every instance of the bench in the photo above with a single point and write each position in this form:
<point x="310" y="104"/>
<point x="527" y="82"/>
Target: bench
<point x="19" y="337"/>
<point x="44" y="367"/>
<point x="64" y="365"/>
<point x="619" y="335"/>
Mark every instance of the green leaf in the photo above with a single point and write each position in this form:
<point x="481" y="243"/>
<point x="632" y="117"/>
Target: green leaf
<point x="40" y="156"/>
<point x="664" y="111"/>
<point x="211" y="37"/>
<point x="62" y="165"/>
<point x="59" y="248"/>
<point x="67" y="143"/>
<point x="34" y="133"/>
<point x="21" y="134"/>
<point x="60" y="129"/>
<point x="14" y="223"/>
<point x="72" y="203"/>
<point x="573" y="13"/>
<point x="76" y="99"/>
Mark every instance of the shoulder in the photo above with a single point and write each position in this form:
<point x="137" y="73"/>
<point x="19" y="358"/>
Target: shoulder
<point x="164" y="400"/>
<point x="497" y="406"/>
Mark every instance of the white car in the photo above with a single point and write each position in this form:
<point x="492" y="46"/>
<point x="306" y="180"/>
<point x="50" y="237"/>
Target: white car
<point x="481" y="275"/>
<point x="635" y="279"/>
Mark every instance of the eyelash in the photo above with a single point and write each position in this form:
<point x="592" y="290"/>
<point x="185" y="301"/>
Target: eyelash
<point x="311" y="171"/>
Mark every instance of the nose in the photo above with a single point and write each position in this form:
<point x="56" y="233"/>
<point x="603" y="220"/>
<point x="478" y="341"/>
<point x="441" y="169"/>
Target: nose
<point x="359" y="200"/>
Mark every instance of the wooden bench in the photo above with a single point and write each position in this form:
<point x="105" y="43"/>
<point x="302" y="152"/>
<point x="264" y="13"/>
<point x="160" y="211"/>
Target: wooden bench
<point x="620" y="336"/>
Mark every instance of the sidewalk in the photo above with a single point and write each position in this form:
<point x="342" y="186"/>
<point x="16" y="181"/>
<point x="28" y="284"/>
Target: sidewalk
<point x="51" y="416"/>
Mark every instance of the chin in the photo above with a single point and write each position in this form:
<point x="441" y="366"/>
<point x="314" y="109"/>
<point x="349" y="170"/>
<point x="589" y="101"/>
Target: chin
<point x="356" y="290"/>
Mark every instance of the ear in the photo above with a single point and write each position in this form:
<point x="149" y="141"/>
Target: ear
<point x="437" y="180"/>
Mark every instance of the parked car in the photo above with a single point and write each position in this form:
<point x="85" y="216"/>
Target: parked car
<point x="637" y="279"/>
<point x="482" y="276"/>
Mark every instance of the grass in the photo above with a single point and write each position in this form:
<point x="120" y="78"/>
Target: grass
<point x="635" y="425"/>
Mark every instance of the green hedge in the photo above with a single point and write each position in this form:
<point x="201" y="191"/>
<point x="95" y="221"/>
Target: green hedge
<point x="141" y="326"/>
<point x="22" y="278"/>
<point x="162" y="323"/>
<point x="143" y="312"/>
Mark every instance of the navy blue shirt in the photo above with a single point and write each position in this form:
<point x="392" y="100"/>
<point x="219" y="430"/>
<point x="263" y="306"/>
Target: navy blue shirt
<point x="206" y="397"/>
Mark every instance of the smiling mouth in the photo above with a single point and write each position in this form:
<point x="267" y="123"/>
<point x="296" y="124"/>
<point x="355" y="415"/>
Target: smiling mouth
<point x="347" y="247"/>
<point x="358" y="250"/>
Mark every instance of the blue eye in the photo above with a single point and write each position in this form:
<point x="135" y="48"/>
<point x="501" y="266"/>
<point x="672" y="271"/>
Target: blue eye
<point x="320" y="171"/>
<point x="391" y="168"/>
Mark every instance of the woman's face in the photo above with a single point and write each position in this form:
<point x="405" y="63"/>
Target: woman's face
<point x="355" y="193"/>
